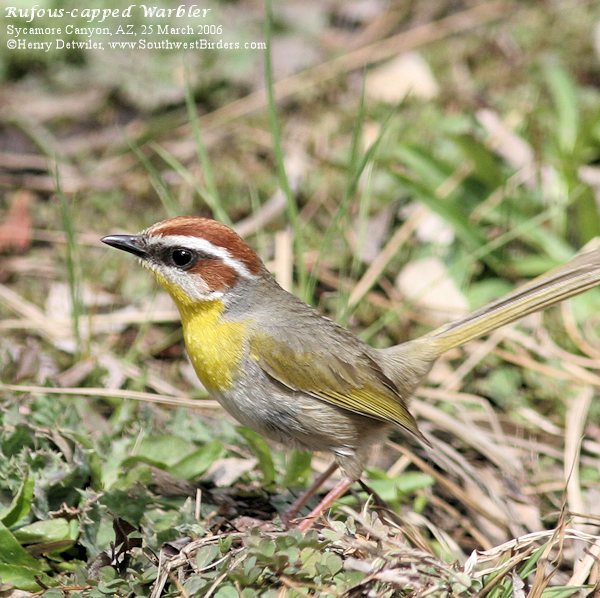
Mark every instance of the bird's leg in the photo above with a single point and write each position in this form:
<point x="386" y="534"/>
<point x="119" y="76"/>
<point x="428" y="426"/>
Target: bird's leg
<point x="301" y="501"/>
<point x="338" y="490"/>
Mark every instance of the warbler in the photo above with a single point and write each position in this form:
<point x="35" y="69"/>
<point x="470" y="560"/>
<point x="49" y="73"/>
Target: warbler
<point x="281" y="368"/>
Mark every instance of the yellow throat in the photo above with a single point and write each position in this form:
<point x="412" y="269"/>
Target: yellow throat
<point x="215" y="346"/>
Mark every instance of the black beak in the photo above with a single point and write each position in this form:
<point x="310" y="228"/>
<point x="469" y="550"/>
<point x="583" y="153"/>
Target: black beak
<point x="130" y="243"/>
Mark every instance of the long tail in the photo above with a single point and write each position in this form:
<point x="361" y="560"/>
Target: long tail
<point x="574" y="277"/>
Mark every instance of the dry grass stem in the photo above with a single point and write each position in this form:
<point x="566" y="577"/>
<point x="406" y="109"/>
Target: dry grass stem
<point x="378" y="265"/>
<point x="116" y="393"/>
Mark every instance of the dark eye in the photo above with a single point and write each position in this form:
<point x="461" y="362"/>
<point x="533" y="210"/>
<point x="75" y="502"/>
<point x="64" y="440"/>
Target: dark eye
<point x="182" y="257"/>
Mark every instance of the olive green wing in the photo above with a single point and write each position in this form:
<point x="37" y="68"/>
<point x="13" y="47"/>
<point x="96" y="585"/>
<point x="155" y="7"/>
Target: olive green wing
<point x="350" y="380"/>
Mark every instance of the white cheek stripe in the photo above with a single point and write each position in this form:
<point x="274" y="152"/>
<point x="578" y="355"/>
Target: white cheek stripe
<point x="199" y="244"/>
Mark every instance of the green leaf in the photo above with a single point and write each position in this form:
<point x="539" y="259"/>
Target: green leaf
<point x="136" y="462"/>
<point x="309" y="558"/>
<point x="23" y="578"/>
<point x="266" y="548"/>
<point x="12" y="553"/>
<point x="411" y="481"/>
<point x="131" y="505"/>
<point x="588" y="216"/>
<point x="528" y="228"/>
<point x="332" y="562"/>
<point x="453" y="215"/>
<point x="56" y="593"/>
<point x="489" y="289"/>
<point x="431" y="172"/>
<point x="20" y="505"/>
<point x="109" y="587"/>
<point x="408" y="483"/>
<point x="50" y="530"/>
<point x="486" y="167"/>
<point x="164" y="449"/>
<point x="297" y="467"/>
<point x="563" y="591"/>
<point x="227" y="591"/>
<point x="19" y="439"/>
<point x="532" y="561"/>
<point x="225" y="544"/>
<point x="198" y="462"/>
<point x="564" y="96"/>
<point x="206" y="555"/>
<point x="139" y="474"/>
<point x="263" y="453"/>
<point x="195" y="584"/>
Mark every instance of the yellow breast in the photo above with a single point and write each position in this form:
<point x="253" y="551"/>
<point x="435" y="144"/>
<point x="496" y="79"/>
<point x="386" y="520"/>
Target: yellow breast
<point x="215" y="346"/>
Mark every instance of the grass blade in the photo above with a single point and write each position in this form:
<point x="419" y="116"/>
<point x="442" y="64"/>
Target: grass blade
<point x="210" y="194"/>
<point x="170" y="205"/>
<point x="292" y="207"/>
<point x="73" y="263"/>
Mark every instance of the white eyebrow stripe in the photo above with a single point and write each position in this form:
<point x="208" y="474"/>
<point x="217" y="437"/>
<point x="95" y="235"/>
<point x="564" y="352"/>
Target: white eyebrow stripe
<point x="199" y="244"/>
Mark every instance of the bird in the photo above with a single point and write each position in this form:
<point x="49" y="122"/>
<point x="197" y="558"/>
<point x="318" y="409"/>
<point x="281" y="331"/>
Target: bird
<point x="280" y="367"/>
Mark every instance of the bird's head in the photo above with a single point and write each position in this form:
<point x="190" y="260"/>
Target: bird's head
<point x="194" y="259"/>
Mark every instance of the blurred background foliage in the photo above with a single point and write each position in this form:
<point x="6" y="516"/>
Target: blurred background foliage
<point x="411" y="160"/>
